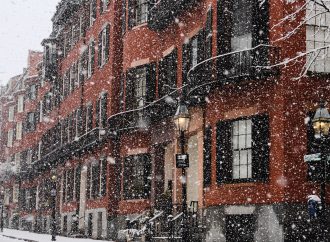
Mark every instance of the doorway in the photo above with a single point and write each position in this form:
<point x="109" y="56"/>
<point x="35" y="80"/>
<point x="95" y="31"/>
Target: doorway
<point x="240" y="228"/>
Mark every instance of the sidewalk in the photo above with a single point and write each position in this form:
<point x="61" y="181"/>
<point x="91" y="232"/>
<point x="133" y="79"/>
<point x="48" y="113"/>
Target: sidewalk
<point x="12" y="235"/>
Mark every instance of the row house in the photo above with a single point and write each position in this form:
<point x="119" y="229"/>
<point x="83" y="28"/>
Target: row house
<point x="110" y="81"/>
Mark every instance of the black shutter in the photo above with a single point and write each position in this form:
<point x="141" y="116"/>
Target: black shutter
<point x="208" y="45"/>
<point x="123" y="16"/>
<point x="94" y="10"/>
<point x="207" y="156"/>
<point x="151" y="82"/>
<point x="83" y="120"/>
<point x="103" y="177"/>
<point x="64" y="187"/>
<point x="88" y="183"/>
<point x="167" y="75"/>
<point x="107" y="42"/>
<point x="131" y="13"/>
<point x="121" y="94"/>
<point x="162" y="77"/>
<point x="97" y="118"/>
<point x="312" y="143"/>
<point x="104" y="109"/>
<point x="77" y="181"/>
<point x="101" y="6"/>
<point x="99" y="49"/>
<point x="186" y="63"/>
<point x="224" y="152"/>
<point x="146" y="175"/>
<point x="224" y="24"/>
<point x="130" y="97"/>
<point x="260" y="147"/>
<point x="260" y="22"/>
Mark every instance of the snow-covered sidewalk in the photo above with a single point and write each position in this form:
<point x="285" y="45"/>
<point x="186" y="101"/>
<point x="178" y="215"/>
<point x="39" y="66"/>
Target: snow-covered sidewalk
<point x="20" y="236"/>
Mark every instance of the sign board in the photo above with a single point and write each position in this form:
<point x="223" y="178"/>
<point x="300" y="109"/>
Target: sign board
<point x="182" y="160"/>
<point x="314" y="157"/>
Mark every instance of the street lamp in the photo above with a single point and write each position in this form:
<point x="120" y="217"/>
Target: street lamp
<point x="321" y="125"/>
<point x="53" y="202"/>
<point x="182" y="120"/>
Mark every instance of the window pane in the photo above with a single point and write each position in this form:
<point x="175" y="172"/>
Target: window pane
<point x="243" y="171"/>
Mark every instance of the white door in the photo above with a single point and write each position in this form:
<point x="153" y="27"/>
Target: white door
<point x="192" y="172"/>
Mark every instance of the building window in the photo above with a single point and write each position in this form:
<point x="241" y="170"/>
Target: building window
<point x="31" y="122"/>
<point x="33" y="92"/>
<point x="167" y="74"/>
<point x="91" y="59"/>
<point x="96" y="179"/>
<point x="138" y="12"/>
<point x="17" y="160"/>
<point x="19" y="128"/>
<point x="11" y="110"/>
<point x="92" y="12"/>
<point x="10" y="138"/>
<point x="29" y="157"/>
<point x="20" y="104"/>
<point x="103" y="46"/>
<point x="137" y="180"/>
<point x="317" y="37"/>
<point x="101" y="111"/>
<point x="104" y="5"/>
<point x="243" y="149"/>
<point x="140" y="86"/>
<point x="89" y="117"/>
<point x="137" y="85"/>
<point x="242" y="24"/>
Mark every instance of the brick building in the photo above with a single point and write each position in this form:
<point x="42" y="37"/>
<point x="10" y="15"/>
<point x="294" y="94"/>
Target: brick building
<point x="101" y="118"/>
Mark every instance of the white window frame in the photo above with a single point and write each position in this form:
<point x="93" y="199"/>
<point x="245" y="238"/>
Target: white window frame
<point x="89" y="66"/>
<point x="104" y="5"/>
<point x="317" y="36"/>
<point x="11" y="113"/>
<point x="103" y="46"/>
<point x="15" y="193"/>
<point x="29" y="157"/>
<point x="10" y="138"/>
<point x="91" y="19"/>
<point x="242" y="148"/>
<point x="20" y="103"/>
<point x="18" y="160"/>
<point x="19" y="129"/>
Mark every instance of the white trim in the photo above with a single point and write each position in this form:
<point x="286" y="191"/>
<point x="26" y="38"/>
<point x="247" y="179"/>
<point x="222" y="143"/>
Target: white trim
<point x="236" y="210"/>
<point x="140" y="62"/>
<point x="168" y="51"/>
<point x="137" y="151"/>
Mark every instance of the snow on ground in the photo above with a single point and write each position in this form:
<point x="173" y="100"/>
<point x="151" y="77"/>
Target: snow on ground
<point x="36" y="237"/>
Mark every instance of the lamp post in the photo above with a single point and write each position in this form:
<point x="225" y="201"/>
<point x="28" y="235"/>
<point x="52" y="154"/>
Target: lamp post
<point x="181" y="120"/>
<point x="2" y="204"/>
<point x="53" y="202"/>
<point x="321" y="125"/>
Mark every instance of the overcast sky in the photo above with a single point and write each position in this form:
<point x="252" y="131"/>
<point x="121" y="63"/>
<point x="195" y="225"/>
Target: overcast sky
<point x="23" y="25"/>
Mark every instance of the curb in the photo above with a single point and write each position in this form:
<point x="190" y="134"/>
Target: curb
<point x="13" y="237"/>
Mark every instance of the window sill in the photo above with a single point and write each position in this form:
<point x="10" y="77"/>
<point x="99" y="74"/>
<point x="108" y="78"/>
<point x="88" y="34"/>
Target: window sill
<point x="241" y="184"/>
<point x="139" y="26"/>
<point x="135" y="200"/>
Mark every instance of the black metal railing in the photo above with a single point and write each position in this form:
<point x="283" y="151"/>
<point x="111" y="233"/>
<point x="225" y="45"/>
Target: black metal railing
<point x="255" y="63"/>
<point x="258" y="62"/>
<point x="164" y="12"/>
<point x="141" y="118"/>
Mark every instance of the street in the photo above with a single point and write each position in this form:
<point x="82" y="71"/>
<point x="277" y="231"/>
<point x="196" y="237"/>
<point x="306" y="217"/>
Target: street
<point x="11" y="235"/>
